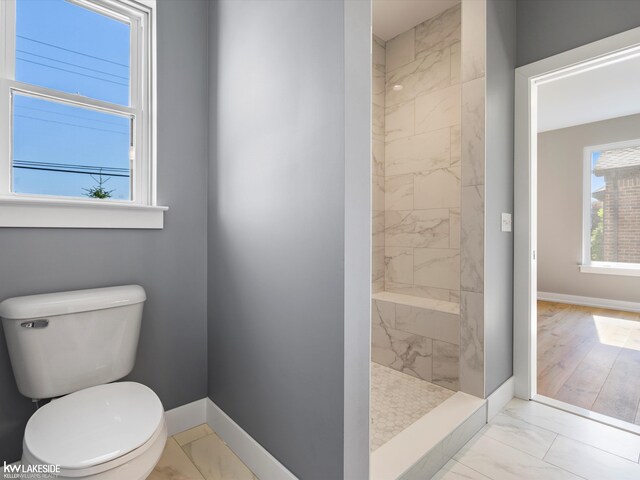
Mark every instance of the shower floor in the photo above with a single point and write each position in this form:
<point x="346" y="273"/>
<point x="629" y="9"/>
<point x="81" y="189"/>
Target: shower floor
<point x="398" y="400"/>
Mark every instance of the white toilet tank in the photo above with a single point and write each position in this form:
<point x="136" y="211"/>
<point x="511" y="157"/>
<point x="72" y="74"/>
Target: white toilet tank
<point x="63" y="342"/>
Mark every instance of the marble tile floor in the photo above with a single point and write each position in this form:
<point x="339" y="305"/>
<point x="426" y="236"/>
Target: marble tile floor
<point x="199" y="454"/>
<point x="528" y="440"/>
<point x="398" y="400"/>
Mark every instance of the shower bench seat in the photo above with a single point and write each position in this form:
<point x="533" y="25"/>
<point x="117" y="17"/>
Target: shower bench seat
<point x="418" y="302"/>
<point x="416" y="335"/>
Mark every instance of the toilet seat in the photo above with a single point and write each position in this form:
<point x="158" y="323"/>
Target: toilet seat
<point x="98" y="429"/>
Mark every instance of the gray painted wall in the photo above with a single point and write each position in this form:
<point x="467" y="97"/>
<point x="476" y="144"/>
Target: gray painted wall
<point x="548" y="27"/>
<point x="168" y="263"/>
<point x="560" y="159"/>
<point x="498" y="285"/>
<point x="276" y="227"/>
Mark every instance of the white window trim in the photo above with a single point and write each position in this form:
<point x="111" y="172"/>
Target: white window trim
<point x="18" y="210"/>
<point x="587" y="265"/>
<point x="624" y="269"/>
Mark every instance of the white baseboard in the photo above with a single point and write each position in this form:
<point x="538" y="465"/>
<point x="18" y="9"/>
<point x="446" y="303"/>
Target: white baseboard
<point x="259" y="460"/>
<point x="500" y="397"/>
<point x="590" y="301"/>
<point x="186" y="416"/>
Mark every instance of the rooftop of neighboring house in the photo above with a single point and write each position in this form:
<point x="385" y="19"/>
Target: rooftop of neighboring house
<point x="617" y="158"/>
<point x="599" y="193"/>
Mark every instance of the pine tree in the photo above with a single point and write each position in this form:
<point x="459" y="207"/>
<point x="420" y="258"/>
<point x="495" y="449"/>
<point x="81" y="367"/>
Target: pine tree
<point x="99" y="191"/>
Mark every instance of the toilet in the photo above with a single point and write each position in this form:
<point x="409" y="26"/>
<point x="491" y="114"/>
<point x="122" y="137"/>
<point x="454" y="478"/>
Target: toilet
<point x="72" y="347"/>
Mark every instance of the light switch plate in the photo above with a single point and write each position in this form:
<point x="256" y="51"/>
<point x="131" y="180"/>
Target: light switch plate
<point x="506" y="222"/>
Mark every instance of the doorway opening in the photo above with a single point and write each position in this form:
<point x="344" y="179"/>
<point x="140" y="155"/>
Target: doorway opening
<point x="577" y="283"/>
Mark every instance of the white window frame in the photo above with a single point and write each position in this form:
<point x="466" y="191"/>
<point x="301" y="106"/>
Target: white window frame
<point x="142" y="211"/>
<point x="587" y="265"/>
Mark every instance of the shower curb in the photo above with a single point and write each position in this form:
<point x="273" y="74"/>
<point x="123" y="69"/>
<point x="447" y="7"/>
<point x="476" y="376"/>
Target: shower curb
<point x="423" y="448"/>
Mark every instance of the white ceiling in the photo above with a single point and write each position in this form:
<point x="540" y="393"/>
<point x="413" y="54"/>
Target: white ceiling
<point x="607" y="92"/>
<point x="392" y="17"/>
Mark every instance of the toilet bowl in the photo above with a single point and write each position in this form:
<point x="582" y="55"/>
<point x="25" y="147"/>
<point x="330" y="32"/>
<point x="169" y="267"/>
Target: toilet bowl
<point x="112" y="431"/>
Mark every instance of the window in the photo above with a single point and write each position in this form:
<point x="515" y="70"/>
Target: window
<point x="77" y="114"/>
<point x="612" y="208"/>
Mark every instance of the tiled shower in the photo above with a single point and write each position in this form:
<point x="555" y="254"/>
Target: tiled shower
<point x="416" y="200"/>
<point x="418" y="160"/>
<point x="420" y="120"/>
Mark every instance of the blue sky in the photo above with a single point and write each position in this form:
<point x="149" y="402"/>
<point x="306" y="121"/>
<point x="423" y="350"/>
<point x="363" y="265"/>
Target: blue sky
<point x="596" y="182"/>
<point x="63" y="46"/>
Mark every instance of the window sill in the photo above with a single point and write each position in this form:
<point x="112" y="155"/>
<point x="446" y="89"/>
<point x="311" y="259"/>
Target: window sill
<point x="37" y="212"/>
<point x="627" y="271"/>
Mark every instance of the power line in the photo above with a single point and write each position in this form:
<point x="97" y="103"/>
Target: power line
<point x="73" y="116"/>
<point x="71" y="124"/>
<point x="66" y="171"/>
<point x="69" y="165"/>
<point x="71" y="71"/>
<point x="61" y="168"/>
<point x="72" y="64"/>
<point x="72" y="51"/>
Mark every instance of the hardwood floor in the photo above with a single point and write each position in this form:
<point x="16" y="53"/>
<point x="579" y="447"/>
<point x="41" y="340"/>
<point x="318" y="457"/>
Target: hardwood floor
<point x="590" y="357"/>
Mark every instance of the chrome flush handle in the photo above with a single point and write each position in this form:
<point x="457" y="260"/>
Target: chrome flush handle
<point x="42" y="323"/>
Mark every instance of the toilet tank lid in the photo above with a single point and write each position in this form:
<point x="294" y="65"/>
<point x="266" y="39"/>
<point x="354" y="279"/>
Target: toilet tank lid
<point x="62" y="303"/>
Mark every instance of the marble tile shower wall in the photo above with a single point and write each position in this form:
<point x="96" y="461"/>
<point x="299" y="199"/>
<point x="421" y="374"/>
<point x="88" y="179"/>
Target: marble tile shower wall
<point x="417" y="341"/>
<point x="417" y="178"/>
<point x="377" y="165"/>
<point x="473" y="77"/>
